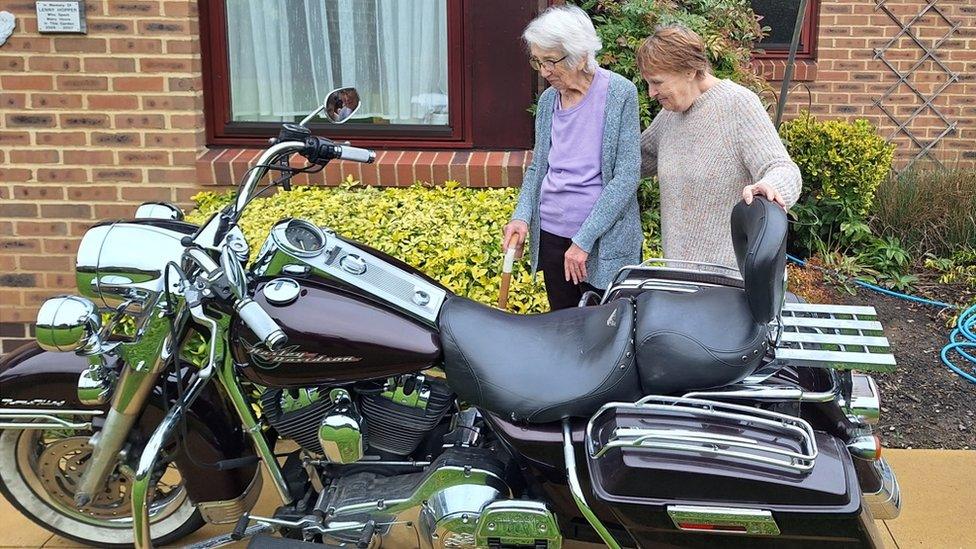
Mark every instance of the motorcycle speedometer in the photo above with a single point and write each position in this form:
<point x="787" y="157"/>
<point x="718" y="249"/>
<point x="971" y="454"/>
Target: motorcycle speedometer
<point x="302" y="238"/>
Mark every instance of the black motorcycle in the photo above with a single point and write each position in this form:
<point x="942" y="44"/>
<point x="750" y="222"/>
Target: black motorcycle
<point x="689" y="406"/>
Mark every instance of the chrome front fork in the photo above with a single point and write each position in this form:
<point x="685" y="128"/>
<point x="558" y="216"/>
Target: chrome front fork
<point x="143" y="363"/>
<point x="221" y="363"/>
<point x="150" y="455"/>
<point x="142" y="537"/>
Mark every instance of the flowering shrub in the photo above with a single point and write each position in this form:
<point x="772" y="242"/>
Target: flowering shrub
<point x="451" y="233"/>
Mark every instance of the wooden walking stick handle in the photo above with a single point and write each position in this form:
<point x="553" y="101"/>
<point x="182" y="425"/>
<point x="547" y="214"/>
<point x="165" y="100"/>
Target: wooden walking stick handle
<point x="503" y="291"/>
<point x="506" y="277"/>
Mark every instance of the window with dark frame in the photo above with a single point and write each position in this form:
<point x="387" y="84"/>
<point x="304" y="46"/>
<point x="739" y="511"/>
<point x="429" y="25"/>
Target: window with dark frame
<point x="489" y="85"/>
<point x="266" y="62"/>
<point x="471" y="89"/>
<point x="780" y="17"/>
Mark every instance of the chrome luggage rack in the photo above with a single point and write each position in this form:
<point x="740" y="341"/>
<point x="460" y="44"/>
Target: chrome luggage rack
<point x="833" y="336"/>
<point x="673" y="275"/>
<point x="697" y="427"/>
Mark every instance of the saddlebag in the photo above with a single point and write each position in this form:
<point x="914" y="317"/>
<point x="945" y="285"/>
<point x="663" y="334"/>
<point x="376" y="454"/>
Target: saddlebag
<point x="695" y="472"/>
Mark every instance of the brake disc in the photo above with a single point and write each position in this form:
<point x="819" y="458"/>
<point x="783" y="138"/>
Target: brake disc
<point x="60" y="466"/>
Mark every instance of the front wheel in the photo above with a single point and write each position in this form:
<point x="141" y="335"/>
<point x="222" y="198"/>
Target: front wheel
<point x="40" y="468"/>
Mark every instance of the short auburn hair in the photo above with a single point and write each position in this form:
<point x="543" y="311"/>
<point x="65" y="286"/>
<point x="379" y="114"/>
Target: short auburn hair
<point x="673" y="48"/>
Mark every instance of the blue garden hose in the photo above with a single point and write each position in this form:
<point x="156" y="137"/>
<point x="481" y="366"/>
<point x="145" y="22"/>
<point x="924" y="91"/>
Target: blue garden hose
<point x="964" y="328"/>
<point x="962" y="337"/>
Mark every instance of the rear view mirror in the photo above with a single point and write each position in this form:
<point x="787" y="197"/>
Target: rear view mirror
<point x="341" y="104"/>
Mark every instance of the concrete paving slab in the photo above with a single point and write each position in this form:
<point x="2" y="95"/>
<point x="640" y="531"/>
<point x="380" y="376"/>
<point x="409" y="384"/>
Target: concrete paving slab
<point x="58" y="541"/>
<point x="16" y="530"/>
<point x="889" y="542"/>
<point x="938" y="490"/>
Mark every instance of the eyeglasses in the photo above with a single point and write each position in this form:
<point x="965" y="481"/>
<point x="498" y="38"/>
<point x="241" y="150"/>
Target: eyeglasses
<point x="545" y="64"/>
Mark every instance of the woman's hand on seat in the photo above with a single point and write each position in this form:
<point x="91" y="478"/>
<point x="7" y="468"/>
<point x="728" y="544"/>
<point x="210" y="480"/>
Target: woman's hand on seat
<point x="763" y="189"/>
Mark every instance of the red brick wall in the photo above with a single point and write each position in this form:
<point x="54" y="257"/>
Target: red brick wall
<point x="91" y="126"/>
<point x="847" y="78"/>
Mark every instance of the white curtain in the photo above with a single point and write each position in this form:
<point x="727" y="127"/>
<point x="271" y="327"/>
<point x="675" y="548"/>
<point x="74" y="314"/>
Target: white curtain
<point x="286" y="55"/>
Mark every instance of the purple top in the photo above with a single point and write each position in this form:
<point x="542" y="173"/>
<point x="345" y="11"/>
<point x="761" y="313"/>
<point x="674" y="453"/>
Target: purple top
<point x="575" y="177"/>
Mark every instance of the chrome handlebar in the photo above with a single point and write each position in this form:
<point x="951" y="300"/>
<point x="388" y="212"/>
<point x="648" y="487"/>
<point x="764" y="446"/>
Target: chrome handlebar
<point x="312" y="148"/>
<point x="346" y="152"/>
<point x="261" y="323"/>
<point x="260" y="170"/>
<point x="256" y="318"/>
<point x="250" y="312"/>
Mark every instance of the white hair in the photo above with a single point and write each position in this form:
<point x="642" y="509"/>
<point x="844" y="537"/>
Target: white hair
<point x="565" y="28"/>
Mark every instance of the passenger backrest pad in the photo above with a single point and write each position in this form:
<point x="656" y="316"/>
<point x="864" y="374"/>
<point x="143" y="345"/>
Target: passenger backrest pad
<point x="759" y="240"/>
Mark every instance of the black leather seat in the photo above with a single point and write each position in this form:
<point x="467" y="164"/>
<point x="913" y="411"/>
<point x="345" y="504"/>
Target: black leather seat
<point x="696" y="341"/>
<point x="717" y="335"/>
<point x="539" y="368"/>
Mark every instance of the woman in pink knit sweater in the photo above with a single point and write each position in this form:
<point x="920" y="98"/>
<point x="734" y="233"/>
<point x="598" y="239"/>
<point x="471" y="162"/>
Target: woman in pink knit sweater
<point x="711" y="145"/>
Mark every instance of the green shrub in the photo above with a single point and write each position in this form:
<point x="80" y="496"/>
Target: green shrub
<point x="958" y="267"/>
<point x="649" y="201"/>
<point x="842" y="164"/>
<point x="931" y="210"/>
<point x="449" y="232"/>
<point x="729" y="28"/>
<point x="959" y="270"/>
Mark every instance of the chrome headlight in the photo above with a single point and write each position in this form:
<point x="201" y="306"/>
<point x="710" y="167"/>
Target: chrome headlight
<point x="159" y="210"/>
<point x="68" y="323"/>
<point x="126" y="262"/>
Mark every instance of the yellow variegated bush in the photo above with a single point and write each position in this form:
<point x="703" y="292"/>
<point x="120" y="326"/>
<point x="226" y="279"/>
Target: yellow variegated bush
<point x="451" y="233"/>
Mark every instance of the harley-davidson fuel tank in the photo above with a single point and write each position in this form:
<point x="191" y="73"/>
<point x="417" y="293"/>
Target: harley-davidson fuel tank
<point x="334" y="336"/>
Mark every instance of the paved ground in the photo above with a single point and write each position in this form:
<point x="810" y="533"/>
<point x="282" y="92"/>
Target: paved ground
<point x="938" y="491"/>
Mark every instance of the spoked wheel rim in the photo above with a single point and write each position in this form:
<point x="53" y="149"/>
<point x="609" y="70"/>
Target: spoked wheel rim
<point x="51" y="463"/>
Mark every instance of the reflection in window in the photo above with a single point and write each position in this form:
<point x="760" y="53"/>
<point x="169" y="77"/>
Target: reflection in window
<point x="286" y="56"/>
<point x="780" y="17"/>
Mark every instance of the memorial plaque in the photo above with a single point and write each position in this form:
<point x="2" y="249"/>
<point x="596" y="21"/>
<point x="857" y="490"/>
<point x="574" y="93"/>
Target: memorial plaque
<point x="64" y="16"/>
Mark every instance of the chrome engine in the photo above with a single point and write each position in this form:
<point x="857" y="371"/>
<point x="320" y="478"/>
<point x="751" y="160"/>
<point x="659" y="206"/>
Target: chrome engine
<point x="458" y="501"/>
<point x="407" y="410"/>
<point x="461" y="501"/>
<point x="393" y="420"/>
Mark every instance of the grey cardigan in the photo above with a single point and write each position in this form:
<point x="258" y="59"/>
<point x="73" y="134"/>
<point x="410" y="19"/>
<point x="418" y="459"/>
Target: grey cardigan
<point x="612" y="233"/>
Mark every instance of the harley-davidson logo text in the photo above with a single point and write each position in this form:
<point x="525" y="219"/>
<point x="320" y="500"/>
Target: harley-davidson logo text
<point x="294" y="355"/>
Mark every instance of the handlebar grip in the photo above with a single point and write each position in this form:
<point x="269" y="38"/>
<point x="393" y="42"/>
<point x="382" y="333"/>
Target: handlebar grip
<point x="261" y="324"/>
<point x="356" y="154"/>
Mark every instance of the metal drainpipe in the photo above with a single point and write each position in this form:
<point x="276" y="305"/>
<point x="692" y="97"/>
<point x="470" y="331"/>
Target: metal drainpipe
<point x="790" y="62"/>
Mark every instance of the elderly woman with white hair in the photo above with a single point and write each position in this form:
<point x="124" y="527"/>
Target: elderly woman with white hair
<point x="578" y="202"/>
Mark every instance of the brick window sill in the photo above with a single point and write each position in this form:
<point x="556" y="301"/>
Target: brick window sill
<point x="226" y="166"/>
<point x="773" y="70"/>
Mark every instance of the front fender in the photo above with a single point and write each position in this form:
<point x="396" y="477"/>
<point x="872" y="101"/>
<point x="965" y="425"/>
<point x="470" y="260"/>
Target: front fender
<point x="33" y="377"/>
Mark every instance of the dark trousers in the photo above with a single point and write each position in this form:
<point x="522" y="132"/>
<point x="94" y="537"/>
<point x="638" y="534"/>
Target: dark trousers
<point x="552" y="261"/>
